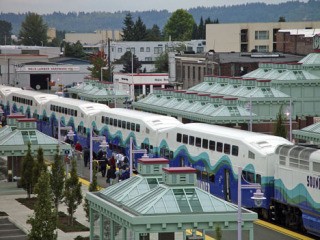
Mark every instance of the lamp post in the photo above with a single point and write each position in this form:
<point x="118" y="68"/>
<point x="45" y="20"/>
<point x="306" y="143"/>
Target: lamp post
<point x="257" y="197"/>
<point x="103" y="145"/>
<point x="144" y="151"/>
<point x="289" y="115"/>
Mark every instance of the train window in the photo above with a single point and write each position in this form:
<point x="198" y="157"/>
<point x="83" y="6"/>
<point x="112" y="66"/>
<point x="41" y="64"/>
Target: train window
<point x="66" y="111"/>
<point x="171" y="155"/>
<point x="115" y="122"/>
<point x="211" y="178"/>
<point x="123" y="124"/>
<point x="212" y="145"/>
<point x="111" y="121"/>
<point x="128" y="125"/>
<point x="107" y="120"/>
<point x="191" y="140"/>
<point x="251" y="155"/>
<point x="185" y="139"/>
<point x="102" y="119"/>
<point x="235" y="150"/>
<point x="69" y="111"/>
<point x="142" y="146"/>
<point x="258" y="178"/>
<point x="84" y="130"/>
<point x="198" y="142"/>
<point x="226" y="149"/>
<point x="147" y="130"/>
<point x="76" y="113"/>
<point x="151" y="147"/>
<point x="119" y="123"/>
<point x="133" y="126"/>
<point x="138" y="127"/>
<point x="179" y="137"/>
<point x="72" y="112"/>
<point x="198" y="174"/>
<point x="219" y="146"/>
<point x="205" y="143"/>
<point x="59" y="109"/>
<point x="316" y="167"/>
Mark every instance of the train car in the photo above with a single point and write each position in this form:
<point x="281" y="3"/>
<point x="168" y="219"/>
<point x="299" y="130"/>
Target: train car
<point x="217" y="152"/>
<point x="296" y="202"/>
<point x="120" y="124"/>
<point x="71" y="112"/>
<point x="5" y="92"/>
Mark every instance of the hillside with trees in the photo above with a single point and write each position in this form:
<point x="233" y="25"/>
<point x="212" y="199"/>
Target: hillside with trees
<point x="251" y="12"/>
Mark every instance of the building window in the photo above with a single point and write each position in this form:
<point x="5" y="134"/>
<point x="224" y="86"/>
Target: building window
<point x="261" y="35"/>
<point x="262" y="48"/>
<point x="119" y="50"/>
<point x="148" y="59"/>
<point x="142" y="49"/>
<point x="147" y="49"/>
<point x="157" y="50"/>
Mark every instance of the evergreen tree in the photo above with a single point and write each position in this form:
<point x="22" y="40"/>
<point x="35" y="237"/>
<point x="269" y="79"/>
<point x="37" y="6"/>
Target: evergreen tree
<point x="195" y="32"/>
<point x="39" y="166"/>
<point x="27" y="172"/>
<point x="218" y="233"/>
<point x="99" y="61"/>
<point x="93" y="187"/>
<point x="216" y="21"/>
<point x="127" y="30"/>
<point x="162" y="63"/>
<point x="44" y="220"/>
<point x="179" y="26"/>
<point x="72" y="192"/>
<point x="154" y="34"/>
<point x="5" y="32"/>
<point x="280" y="128"/>
<point x="207" y="21"/>
<point x="57" y="179"/>
<point x="74" y="50"/>
<point x="126" y="60"/>
<point x="282" y="19"/>
<point x="201" y="30"/>
<point x="33" y="30"/>
<point x="139" y="31"/>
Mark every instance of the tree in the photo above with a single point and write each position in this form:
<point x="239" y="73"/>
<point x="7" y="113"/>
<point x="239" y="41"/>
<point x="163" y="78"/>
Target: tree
<point x="282" y="19"/>
<point x="39" y="166"/>
<point x="72" y="192"/>
<point x="139" y="31"/>
<point x="179" y="26"/>
<point x="74" y="50"/>
<point x="280" y="129"/>
<point x="201" y="30"/>
<point x="127" y="30"/>
<point x="93" y="187"/>
<point x="154" y="34"/>
<point x="5" y="32"/>
<point x="27" y="172"/>
<point x="126" y="60"/>
<point x="162" y="63"/>
<point x="195" y="32"/>
<point x="218" y="233"/>
<point x="57" y="179"/>
<point x="33" y="30"/>
<point x="44" y="220"/>
<point x="99" y="61"/>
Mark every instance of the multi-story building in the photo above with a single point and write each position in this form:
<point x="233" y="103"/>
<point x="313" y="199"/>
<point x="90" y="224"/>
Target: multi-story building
<point x="245" y="37"/>
<point x="97" y="37"/>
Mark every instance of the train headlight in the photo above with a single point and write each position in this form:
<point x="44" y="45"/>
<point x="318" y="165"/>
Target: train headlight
<point x="258" y="197"/>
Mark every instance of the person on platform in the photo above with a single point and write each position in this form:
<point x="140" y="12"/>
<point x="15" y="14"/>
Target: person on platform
<point x="111" y="175"/>
<point x="78" y="147"/>
<point x="86" y="156"/>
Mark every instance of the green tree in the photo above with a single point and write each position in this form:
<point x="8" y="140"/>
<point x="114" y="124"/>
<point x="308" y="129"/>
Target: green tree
<point x="126" y="60"/>
<point x="201" y="29"/>
<point x="195" y="32"/>
<point x="218" y="233"/>
<point x="44" y="219"/>
<point x="39" y="166"/>
<point x="5" y="32"/>
<point x="27" y="172"/>
<point x="154" y="34"/>
<point x="139" y="31"/>
<point x="127" y="30"/>
<point x="72" y="192"/>
<point x="57" y="179"/>
<point x="33" y="30"/>
<point x="162" y="63"/>
<point x="179" y="26"/>
<point x="93" y="187"/>
<point x="74" y="50"/>
<point x="280" y="128"/>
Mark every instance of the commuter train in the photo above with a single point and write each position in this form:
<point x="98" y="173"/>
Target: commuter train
<point x="289" y="175"/>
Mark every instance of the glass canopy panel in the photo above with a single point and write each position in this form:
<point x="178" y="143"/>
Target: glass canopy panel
<point x="182" y="200"/>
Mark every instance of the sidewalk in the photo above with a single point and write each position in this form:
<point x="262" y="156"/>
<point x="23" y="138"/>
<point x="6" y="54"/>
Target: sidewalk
<point x="18" y="213"/>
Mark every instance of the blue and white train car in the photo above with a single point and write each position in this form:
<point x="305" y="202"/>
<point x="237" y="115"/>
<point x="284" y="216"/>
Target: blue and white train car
<point x="217" y="152"/>
<point x="71" y="112"/>
<point x="5" y="92"/>
<point x="120" y="124"/>
<point x="296" y="202"/>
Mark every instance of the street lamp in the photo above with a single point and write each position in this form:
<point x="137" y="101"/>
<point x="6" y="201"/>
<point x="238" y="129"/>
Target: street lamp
<point x="289" y="115"/>
<point x="144" y="151"/>
<point x="257" y="197"/>
<point x="103" y="145"/>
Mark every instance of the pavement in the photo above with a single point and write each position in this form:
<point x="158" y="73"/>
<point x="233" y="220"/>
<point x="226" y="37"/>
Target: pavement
<point x="19" y="214"/>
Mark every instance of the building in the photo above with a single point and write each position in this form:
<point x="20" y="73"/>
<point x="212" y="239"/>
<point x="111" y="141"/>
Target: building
<point x="97" y="37"/>
<point x="245" y="37"/>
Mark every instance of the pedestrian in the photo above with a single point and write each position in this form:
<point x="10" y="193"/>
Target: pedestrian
<point x="78" y="147"/>
<point x="112" y="162"/>
<point x="103" y="167"/>
<point x="86" y="156"/>
<point x="111" y="175"/>
<point x="125" y="174"/>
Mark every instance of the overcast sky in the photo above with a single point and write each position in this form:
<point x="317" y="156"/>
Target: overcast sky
<point x="49" y="6"/>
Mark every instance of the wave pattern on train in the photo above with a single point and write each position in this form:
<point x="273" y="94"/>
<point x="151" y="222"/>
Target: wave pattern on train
<point x="289" y="174"/>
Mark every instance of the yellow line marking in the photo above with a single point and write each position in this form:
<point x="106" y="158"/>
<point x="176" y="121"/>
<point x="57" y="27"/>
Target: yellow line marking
<point x="282" y="230"/>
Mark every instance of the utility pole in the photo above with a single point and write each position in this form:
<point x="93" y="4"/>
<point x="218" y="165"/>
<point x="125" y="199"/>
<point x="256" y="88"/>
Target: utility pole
<point x="109" y="62"/>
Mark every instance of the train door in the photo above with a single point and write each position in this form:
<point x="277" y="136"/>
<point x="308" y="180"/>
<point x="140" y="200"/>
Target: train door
<point x="227" y="192"/>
